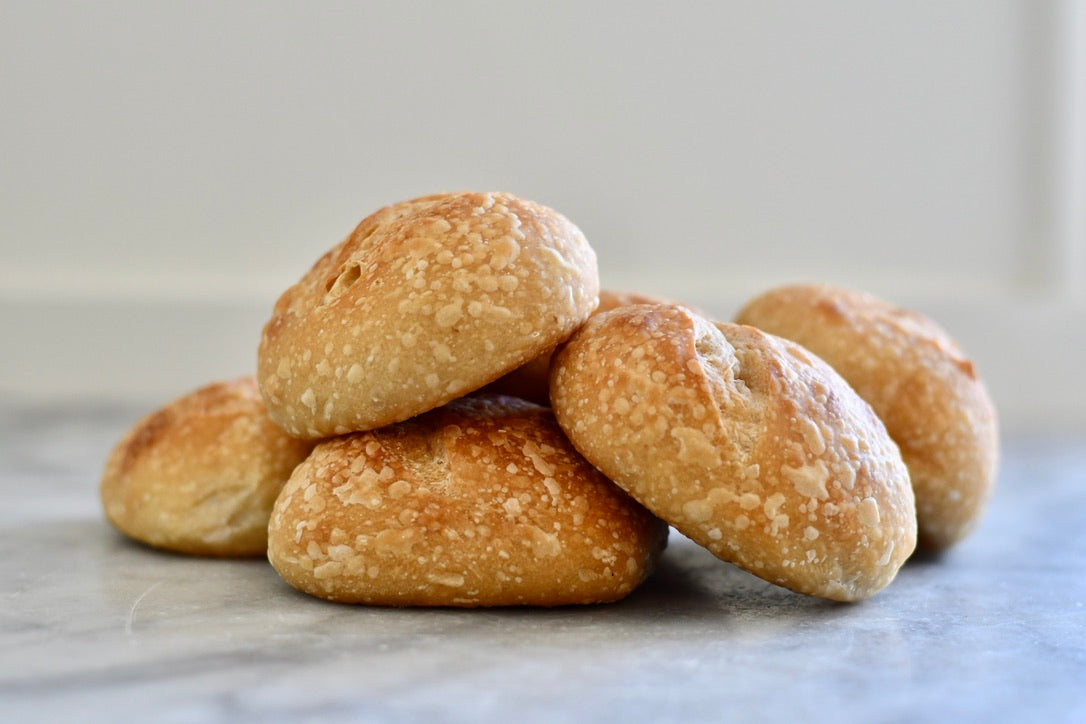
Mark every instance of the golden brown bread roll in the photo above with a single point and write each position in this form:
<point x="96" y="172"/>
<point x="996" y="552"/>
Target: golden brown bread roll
<point x="426" y="301"/>
<point x="200" y="475"/>
<point x="744" y="442"/>
<point x="918" y="381"/>
<point x="532" y="381"/>
<point x="480" y="503"/>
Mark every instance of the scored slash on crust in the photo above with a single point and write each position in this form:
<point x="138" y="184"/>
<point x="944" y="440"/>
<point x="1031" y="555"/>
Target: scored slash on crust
<point x="480" y="503"/>
<point x="473" y="285"/>
<point x="746" y="444"/>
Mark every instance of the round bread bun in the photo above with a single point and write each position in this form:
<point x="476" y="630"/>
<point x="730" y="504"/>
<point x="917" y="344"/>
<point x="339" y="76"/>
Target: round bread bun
<point x="918" y="381"/>
<point x="200" y="475"/>
<point x="746" y="443"/>
<point x="480" y="503"/>
<point x="532" y="381"/>
<point x="426" y="301"/>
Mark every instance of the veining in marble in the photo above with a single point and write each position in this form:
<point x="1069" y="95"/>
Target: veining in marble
<point x="96" y="627"/>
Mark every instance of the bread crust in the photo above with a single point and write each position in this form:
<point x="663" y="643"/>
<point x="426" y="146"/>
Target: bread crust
<point x="480" y="503"/>
<point x="919" y="382"/>
<point x="200" y="475"/>
<point x="531" y="381"/>
<point x="425" y="301"/>
<point x="746" y="443"/>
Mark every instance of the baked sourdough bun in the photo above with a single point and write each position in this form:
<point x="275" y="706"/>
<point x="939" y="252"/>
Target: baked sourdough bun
<point x="201" y="474"/>
<point x="532" y="380"/>
<point x="746" y="443"/>
<point x="426" y="301"/>
<point x="918" y="381"/>
<point x="480" y="503"/>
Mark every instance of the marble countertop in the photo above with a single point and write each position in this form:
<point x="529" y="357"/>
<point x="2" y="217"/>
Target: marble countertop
<point x="95" y="627"/>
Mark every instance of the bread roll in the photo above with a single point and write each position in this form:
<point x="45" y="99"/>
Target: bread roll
<point x="200" y="475"/>
<point x="426" y="301"/>
<point x="746" y="443"/>
<point x="480" y="503"/>
<point x="920" y="383"/>
<point x="532" y="380"/>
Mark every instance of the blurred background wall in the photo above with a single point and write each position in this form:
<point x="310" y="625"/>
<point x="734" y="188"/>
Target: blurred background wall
<point x="166" y="170"/>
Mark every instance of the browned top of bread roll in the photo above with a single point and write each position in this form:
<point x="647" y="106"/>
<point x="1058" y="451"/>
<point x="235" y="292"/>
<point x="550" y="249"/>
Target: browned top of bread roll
<point x="480" y="503"/>
<point x="427" y="300"/>
<point x="200" y="475"/>
<point x="746" y="443"/>
<point x="532" y="380"/>
<point x="611" y="299"/>
<point x="917" y="379"/>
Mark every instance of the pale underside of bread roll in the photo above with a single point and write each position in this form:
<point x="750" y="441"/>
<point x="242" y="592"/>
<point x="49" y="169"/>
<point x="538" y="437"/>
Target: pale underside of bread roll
<point x="426" y="301"/>
<point x="480" y="503"/>
<point x="918" y="381"/>
<point x="201" y="474"/>
<point x="744" y="442"/>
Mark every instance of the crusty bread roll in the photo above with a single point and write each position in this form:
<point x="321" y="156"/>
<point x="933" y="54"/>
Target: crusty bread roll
<point x="918" y="381"/>
<point x="426" y="301"/>
<point x="532" y="381"/>
<point x="744" y="442"/>
<point x="480" y="503"/>
<point x="200" y="475"/>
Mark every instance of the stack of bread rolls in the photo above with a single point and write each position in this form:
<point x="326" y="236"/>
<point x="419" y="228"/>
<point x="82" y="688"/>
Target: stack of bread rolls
<point x="448" y="411"/>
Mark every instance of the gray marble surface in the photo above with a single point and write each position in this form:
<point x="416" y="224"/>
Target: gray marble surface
<point x="94" y="627"/>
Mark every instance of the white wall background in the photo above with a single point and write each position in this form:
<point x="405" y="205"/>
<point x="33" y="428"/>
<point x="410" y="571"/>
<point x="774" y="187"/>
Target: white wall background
<point x="166" y="170"/>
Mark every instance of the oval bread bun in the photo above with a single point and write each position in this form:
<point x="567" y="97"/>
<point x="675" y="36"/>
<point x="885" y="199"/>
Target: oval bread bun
<point x="918" y="381"/>
<point x="480" y="503"/>
<point x="426" y="301"/>
<point x="532" y="381"/>
<point x="746" y="443"/>
<point x="200" y="475"/>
